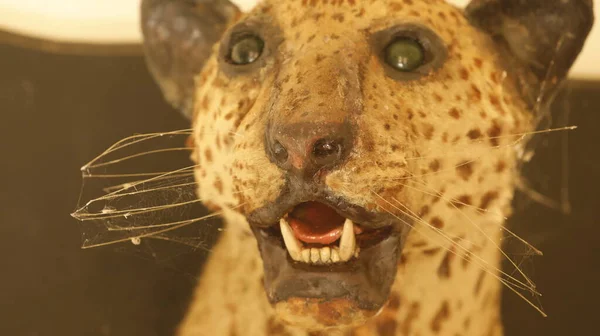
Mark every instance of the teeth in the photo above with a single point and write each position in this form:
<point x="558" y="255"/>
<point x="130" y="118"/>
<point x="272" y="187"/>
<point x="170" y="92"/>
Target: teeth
<point x="325" y="255"/>
<point x="348" y="241"/>
<point x="306" y="256"/>
<point x="315" y="255"/>
<point x="335" y="255"/>
<point x="320" y="256"/>
<point x="293" y="245"/>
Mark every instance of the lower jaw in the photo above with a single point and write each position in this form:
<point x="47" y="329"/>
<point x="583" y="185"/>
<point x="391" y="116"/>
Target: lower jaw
<point x="337" y="295"/>
<point x="318" y="314"/>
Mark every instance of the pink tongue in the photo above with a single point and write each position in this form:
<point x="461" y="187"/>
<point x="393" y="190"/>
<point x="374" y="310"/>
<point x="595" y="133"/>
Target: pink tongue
<point x="316" y="235"/>
<point x="314" y="222"/>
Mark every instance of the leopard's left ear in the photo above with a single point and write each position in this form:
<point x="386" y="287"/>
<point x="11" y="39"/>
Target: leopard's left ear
<point x="540" y="38"/>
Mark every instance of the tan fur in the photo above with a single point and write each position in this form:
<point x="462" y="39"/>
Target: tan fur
<point x="439" y="148"/>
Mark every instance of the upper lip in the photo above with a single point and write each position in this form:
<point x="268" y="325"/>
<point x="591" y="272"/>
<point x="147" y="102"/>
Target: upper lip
<point x="270" y="214"/>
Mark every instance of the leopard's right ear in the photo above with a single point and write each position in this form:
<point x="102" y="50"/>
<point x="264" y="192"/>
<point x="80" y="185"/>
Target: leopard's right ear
<point x="178" y="40"/>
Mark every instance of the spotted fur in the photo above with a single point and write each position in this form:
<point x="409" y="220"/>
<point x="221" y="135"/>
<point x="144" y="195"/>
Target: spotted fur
<point x="441" y="150"/>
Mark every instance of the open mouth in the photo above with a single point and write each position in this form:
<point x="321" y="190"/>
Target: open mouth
<point x="316" y="234"/>
<point x="331" y="263"/>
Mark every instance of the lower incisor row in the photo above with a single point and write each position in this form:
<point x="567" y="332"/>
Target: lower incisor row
<point x="323" y="255"/>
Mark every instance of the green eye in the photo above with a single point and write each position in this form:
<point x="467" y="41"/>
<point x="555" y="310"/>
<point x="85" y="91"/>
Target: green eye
<point x="246" y="50"/>
<point x="404" y="54"/>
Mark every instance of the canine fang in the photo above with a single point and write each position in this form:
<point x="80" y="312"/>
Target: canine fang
<point x="348" y="241"/>
<point x="291" y="243"/>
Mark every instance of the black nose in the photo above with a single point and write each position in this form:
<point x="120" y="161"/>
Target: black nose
<point x="308" y="147"/>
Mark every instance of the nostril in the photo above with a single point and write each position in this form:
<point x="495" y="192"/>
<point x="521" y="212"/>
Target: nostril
<point x="325" y="150"/>
<point x="306" y="148"/>
<point x="279" y="152"/>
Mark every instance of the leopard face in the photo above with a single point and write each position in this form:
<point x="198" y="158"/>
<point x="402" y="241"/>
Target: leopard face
<point x="344" y="133"/>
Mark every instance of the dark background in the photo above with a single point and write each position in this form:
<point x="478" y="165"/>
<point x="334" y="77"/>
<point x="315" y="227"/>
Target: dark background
<point x="59" y="111"/>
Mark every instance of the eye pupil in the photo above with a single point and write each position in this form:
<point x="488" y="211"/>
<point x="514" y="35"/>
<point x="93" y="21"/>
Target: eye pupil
<point x="280" y="152"/>
<point x="404" y="54"/>
<point x="246" y="50"/>
<point x="325" y="148"/>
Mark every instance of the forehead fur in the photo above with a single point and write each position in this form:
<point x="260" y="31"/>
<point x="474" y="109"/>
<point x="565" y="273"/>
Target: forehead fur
<point x="345" y="28"/>
<point x="298" y="19"/>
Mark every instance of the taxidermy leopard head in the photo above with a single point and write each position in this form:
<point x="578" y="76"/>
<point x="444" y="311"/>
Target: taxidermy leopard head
<point x="343" y="132"/>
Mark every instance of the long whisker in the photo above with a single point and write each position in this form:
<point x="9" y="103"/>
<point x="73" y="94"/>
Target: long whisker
<point x="521" y="137"/>
<point x="153" y="234"/>
<point x="80" y="213"/>
<point x="127" y="185"/>
<point x="485" y="264"/>
<point x="529" y="281"/>
<point x="181" y="241"/>
<point x="134" y="139"/>
<point x="154" y="226"/>
<point x="130" y="212"/>
<point x="448" y="170"/>
<point x="156" y="174"/>
<point x="185" y="223"/>
<point x="450" y="200"/>
<point x="523" y="297"/>
<point x="157" y="178"/>
<point x="454" y="201"/>
<point x="112" y="196"/>
<point x="138" y="138"/>
<point x="129" y="157"/>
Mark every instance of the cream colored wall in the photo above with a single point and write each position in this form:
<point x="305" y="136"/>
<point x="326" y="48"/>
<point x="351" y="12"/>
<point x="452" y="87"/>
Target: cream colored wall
<point x="84" y="21"/>
<point x="116" y="21"/>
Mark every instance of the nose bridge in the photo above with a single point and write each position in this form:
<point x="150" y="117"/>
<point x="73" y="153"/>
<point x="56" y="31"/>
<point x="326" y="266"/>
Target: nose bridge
<point x="318" y="88"/>
<point x="310" y="124"/>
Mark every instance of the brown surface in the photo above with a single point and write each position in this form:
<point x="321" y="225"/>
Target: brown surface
<point x="569" y="272"/>
<point x="69" y="48"/>
<point x="60" y="111"/>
